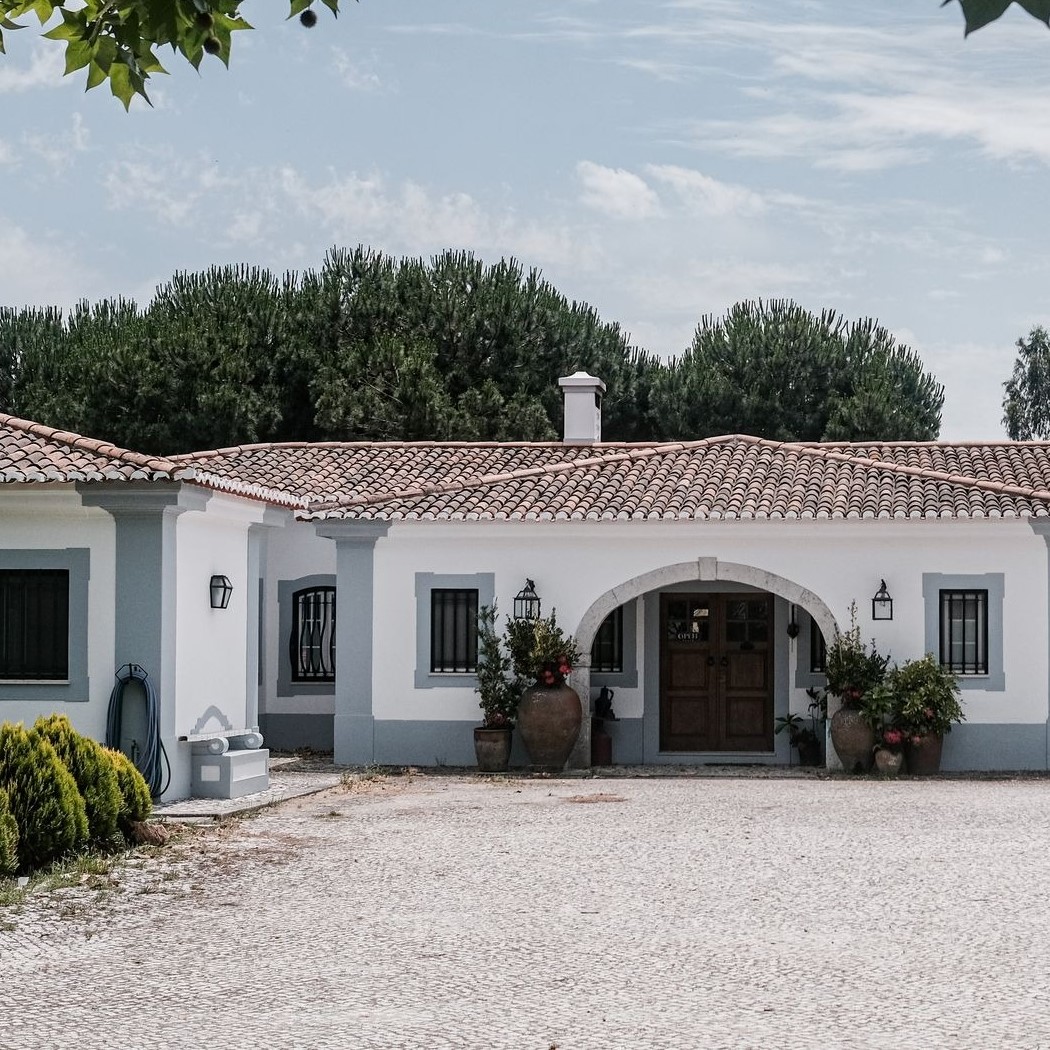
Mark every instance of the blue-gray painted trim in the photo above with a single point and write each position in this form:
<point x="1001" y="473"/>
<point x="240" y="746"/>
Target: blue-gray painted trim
<point x="434" y="743"/>
<point x="285" y="590"/>
<point x="994" y="583"/>
<point x="652" y="754"/>
<point x="286" y="732"/>
<point x="995" y="747"/>
<point x="627" y="746"/>
<point x="1042" y="528"/>
<point x="354" y="741"/>
<point x="257" y="537"/>
<point x="77" y="687"/>
<point x="628" y="677"/>
<point x="804" y="677"/>
<point x="484" y="583"/>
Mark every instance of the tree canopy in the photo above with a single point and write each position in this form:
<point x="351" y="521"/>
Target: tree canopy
<point x="1026" y="403"/>
<point x="369" y="347"/>
<point x="775" y="370"/>
<point x="117" y="40"/>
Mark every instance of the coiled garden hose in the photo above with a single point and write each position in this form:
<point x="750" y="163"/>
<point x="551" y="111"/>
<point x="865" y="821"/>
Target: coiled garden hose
<point x="152" y="759"/>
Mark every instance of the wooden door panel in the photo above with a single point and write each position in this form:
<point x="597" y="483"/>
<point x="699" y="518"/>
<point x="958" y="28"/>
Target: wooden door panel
<point x="716" y="672"/>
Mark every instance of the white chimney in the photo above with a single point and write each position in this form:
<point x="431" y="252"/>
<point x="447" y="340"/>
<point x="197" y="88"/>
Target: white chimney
<point x="583" y="408"/>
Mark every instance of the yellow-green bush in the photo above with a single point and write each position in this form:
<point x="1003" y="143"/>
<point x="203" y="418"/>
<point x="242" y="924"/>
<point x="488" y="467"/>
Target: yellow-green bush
<point x="48" y="809"/>
<point x="136" y="803"/>
<point x="93" y="771"/>
<point x="8" y="837"/>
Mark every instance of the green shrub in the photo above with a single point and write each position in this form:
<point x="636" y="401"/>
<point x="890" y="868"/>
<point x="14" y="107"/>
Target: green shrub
<point x="136" y="803"/>
<point x="8" y="837"/>
<point x="92" y="770"/>
<point x="43" y="797"/>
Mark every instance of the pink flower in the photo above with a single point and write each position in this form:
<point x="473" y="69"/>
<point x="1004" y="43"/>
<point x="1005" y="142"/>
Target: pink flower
<point x="916" y="740"/>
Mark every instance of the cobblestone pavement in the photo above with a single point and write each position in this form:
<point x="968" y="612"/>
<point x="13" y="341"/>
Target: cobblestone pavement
<point x="437" y="912"/>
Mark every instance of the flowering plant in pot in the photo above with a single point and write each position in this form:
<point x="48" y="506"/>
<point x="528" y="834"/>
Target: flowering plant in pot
<point x="854" y="672"/>
<point x="497" y="693"/>
<point x="549" y="713"/>
<point x="926" y="706"/>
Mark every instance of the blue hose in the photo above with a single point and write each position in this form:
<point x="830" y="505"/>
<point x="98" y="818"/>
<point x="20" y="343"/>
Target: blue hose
<point x="152" y="760"/>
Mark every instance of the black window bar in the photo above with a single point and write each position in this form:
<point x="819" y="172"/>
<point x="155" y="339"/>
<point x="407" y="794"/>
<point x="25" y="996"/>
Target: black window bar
<point x="964" y="631"/>
<point x="34" y="624"/>
<point x="453" y="631"/>
<point x="312" y="645"/>
<point x="607" y="650"/>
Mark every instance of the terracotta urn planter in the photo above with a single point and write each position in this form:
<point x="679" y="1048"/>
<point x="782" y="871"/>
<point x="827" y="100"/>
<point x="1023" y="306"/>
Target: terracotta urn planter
<point x="924" y="757"/>
<point x="853" y="739"/>
<point x="549" y="720"/>
<point x="889" y="763"/>
<point x="492" y="748"/>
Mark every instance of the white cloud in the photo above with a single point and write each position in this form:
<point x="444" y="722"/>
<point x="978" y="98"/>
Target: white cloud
<point x="701" y="194"/>
<point x="45" y="69"/>
<point x="615" y="192"/>
<point x="356" y="75"/>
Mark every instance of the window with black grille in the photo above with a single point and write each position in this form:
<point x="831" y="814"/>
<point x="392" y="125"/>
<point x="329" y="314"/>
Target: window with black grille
<point x="607" y="650"/>
<point x="453" y="631"/>
<point x="964" y="631"/>
<point x="312" y="644"/>
<point x="34" y="624"/>
<point x="818" y="649"/>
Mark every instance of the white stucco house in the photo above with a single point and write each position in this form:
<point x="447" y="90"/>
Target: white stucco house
<point x="680" y="567"/>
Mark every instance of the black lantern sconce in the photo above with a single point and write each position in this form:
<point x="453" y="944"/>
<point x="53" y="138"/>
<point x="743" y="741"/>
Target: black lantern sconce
<point x="527" y="603"/>
<point x="792" y="627"/>
<point x="220" y="589"/>
<point x="882" y="603"/>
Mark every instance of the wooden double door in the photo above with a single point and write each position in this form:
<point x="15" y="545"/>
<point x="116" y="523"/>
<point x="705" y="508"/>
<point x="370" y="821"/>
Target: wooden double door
<point x="716" y="672"/>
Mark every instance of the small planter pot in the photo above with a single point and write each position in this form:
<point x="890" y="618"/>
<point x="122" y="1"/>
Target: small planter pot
<point x="889" y="763"/>
<point x="492" y="748"/>
<point x="853" y="739"/>
<point x="549" y="720"/>
<point x="809" y="753"/>
<point x="924" y="758"/>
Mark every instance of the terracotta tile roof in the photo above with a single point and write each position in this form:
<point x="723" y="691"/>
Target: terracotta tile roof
<point x="34" y="452"/>
<point x="731" y="477"/>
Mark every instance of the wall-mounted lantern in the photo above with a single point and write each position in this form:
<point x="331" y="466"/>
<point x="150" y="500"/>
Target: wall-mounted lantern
<point x="792" y="627"/>
<point x="220" y="589"/>
<point x="527" y="603"/>
<point x="882" y="603"/>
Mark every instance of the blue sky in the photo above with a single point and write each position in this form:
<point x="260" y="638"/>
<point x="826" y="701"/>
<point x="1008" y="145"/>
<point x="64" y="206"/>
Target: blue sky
<point x="659" y="160"/>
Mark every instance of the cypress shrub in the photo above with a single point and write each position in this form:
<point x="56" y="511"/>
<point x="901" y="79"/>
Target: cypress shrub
<point x="8" y="837"/>
<point x="43" y="797"/>
<point x="136" y="803"/>
<point x="92" y="770"/>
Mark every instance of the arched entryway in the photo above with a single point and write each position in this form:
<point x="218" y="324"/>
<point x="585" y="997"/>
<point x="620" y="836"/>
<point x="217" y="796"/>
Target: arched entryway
<point x="706" y="574"/>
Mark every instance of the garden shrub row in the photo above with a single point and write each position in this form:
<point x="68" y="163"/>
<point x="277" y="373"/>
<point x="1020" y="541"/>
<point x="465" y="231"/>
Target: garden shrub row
<point x="61" y="792"/>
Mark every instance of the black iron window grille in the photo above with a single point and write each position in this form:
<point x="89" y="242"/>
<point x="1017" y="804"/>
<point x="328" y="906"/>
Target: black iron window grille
<point x="453" y="631"/>
<point x="312" y="645"/>
<point x="607" y="650"/>
<point x="34" y="624"/>
<point x="818" y="650"/>
<point x="964" y="631"/>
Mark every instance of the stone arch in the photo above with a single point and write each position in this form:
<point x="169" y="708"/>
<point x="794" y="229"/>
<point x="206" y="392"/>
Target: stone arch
<point x="704" y="570"/>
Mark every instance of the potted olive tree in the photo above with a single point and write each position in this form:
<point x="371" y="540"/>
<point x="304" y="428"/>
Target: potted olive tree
<point x="498" y="696"/>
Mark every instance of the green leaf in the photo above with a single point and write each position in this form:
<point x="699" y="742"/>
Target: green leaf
<point x="1037" y="9"/>
<point x="979" y="13"/>
<point x="79" y="53"/>
<point x="73" y="27"/>
<point x="332" y="5"/>
<point x="298" y="6"/>
<point x="44" y="9"/>
<point x="120" y="83"/>
<point x="96" y="74"/>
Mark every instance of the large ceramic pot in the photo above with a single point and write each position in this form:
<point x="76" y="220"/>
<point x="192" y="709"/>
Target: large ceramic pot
<point x="492" y="748"/>
<point x="924" y="758"/>
<point x="889" y="763"/>
<point x="853" y="739"/>
<point x="549" y="719"/>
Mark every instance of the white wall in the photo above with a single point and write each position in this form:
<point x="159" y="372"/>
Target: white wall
<point x="49" y="517"/>
<point x="573" y="564"/>
<point x="211" y="644"/>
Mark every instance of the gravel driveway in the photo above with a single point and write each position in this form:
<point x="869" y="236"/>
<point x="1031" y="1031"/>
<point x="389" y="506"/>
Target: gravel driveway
<point x="443" y="911"/>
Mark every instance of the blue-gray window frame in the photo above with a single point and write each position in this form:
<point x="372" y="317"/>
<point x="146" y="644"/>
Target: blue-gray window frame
<point x="627" y="676"/>
<point x="426" y="582"/>
<point x="805" y="676"/>
<point x="75" y="688"/>
<point x="286" y="592"/>
<point x="992" y="582"/>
